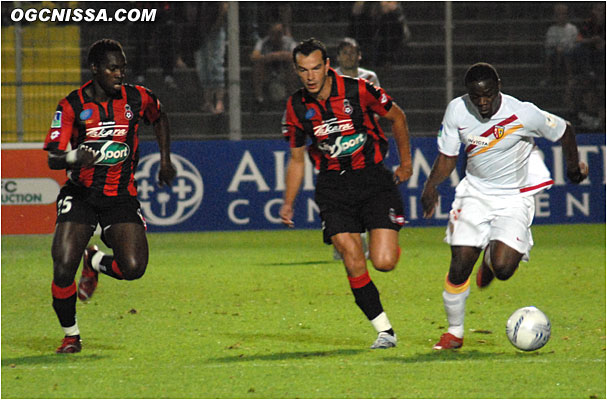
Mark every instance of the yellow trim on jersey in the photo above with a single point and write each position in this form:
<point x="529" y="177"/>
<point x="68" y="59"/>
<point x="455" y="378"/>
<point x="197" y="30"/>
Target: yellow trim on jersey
<point x="495" y="141"/>
<point x="456" y="289"/>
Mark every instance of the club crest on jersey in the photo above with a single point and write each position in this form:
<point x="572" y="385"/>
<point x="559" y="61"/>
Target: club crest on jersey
<point x="128" y="114"/>
<point x="86" y="114"/>
<point x="498" y="131"/>
<point x="310" y="113"/>
<point x="348" y="107"/>
<point x="56" y="120"/>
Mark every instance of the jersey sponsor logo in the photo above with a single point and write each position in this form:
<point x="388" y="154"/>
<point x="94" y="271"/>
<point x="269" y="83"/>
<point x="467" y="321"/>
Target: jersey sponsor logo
<point x="498" y="131"/>
<point x="333" y="126"/>
<point x="56" y="120"/>
<point x="343" y="146"/>
<point x="172" y="205"/>
<point x="55" y="135"/>
<point x="348" y="107"/>
<point x="107" y="152"/>
<point x="107" y="130"/>
<point x="384" y="99"/>
<point x="440" y="131"/>
<point x="85" y="114"/>
<point x="310" y="113"/>
<point x="478" y="141"/>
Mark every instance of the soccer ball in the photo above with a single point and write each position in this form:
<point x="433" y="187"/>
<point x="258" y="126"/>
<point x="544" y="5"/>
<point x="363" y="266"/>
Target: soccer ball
<point x="528" y="328"/>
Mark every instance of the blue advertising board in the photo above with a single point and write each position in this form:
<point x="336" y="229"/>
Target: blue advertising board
<point x="224" y="185"/>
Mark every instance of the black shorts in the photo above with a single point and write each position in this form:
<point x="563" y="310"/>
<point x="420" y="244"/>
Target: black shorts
<point x="356" y="201"/>
<point x="80" y="204"/>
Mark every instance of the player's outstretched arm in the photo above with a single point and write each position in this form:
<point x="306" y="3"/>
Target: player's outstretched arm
<point x="576" y="171"/>
<point x="400" y="130"/>
<point x="161" y="130"/>
<point x="293" y="179"/>
<point x="442" y="168"/>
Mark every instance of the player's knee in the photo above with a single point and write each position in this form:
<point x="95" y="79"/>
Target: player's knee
<point x="385" y="263"/>
<point x="132" y="268"/>
<point x="504" y="271"/>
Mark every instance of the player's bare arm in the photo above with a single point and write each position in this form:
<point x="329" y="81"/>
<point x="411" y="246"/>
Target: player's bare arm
<point x="576" y="171"/>
<point x="400" y="130"/>
<point x="161" y="129"/>
<point x="294" y="177"/>
<point x="442" y="168"/>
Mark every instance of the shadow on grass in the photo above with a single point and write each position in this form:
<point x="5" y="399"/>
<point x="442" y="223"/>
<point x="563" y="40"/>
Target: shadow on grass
<point x="49" y="360"/>
<point x="467" y="356"/>
<point x="47" y="347"/>
<point x="300" y="337"/>
<point x="296" y="264"/>
<point x="302" y="355"/>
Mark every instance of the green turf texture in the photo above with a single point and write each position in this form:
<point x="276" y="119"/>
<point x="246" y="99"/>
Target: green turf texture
<point x="271" y="315"/>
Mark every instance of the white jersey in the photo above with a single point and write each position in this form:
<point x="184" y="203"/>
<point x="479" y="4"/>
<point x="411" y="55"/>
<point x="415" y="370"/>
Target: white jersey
<point x="501" y="155"/>
<point x="363" y="73"/>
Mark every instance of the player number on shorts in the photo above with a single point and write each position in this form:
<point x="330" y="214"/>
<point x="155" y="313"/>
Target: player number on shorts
<point x="64" y="205"/>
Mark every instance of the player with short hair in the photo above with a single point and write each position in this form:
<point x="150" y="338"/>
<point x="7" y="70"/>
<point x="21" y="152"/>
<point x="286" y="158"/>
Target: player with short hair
<point x="104" y="114"/>
<point x="494" y="205"/>
<point x="354" y="190"/>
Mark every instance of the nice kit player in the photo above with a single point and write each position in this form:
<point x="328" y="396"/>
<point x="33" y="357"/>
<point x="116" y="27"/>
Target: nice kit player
<point x="354" y="190"/>
<point x="494" y="204"/>
<point x="94" y="137"/>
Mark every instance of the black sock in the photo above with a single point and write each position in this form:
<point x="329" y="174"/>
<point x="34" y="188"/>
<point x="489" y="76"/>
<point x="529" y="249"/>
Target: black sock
<point x="367" y="299"/>
<point x="66" y="310"/>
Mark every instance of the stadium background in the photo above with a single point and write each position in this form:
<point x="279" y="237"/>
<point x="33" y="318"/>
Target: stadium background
<point x="42" y="62"/>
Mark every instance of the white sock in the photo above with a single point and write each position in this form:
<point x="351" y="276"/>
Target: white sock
<point x="71" y="330"/>
<point x="381" y="322"/>
<point x="455" y="307"/>
<point x="96" y="260"/>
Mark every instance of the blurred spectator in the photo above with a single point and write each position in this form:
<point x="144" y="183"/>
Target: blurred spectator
<point x="273" y="65"/>
<point x="189" y="41"/>
<point x="559" y="44"/>
<point x="154" y="39"/>
<point x="589" y="104"/>
<point x="209" y="57"/>
<point x="348" y="58"/>
<point x="381" y="29"/>
<point x="589" y="72"/>
<point x="589" y="53"/>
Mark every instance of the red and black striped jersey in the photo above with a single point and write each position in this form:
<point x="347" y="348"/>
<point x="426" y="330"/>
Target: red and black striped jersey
<point x="109" y="128"/>
<point x="344" y="131"/>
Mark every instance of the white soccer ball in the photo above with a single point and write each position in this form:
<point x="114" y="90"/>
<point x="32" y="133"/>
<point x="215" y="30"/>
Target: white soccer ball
<point x="528" y="328"/>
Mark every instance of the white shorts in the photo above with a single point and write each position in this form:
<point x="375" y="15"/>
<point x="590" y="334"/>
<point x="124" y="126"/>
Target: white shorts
<point x="476" y="219"/>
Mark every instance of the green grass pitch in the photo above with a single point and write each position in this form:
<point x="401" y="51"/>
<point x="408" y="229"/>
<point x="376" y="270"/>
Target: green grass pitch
<point x="271" y="315"/>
